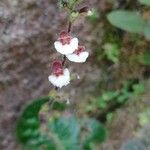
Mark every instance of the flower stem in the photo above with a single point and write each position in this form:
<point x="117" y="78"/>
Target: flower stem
<point x="69" y="30"/>
<point x="69" y="27"/>
<point x="64" y="60"/>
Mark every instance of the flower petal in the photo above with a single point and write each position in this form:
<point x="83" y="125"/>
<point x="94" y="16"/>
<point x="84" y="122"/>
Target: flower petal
<point x="58" y="46"/>
<point x="67" y="48"/>
<point x="78" y="58"/>
<point x="74" y="43"/>
<point x="61" y="80"/>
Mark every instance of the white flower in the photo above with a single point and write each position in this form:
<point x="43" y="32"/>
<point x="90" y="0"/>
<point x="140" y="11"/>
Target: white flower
<point x="79" y="56"/>
<point x="62" y="80"/>
<point x="60" y="77"/>
<point x="66" y="44"/>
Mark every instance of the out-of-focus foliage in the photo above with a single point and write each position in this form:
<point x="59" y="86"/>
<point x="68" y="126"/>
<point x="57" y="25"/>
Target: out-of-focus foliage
<point x="108" y="101"/>
<point x="58" y="132"/>
<point x="119" y="96"/>
<point x="144" y="59"/>
<point x="96" y="133"/>
<point x="146" y="2"/>
<point x="111" y="51"/>
<point x="134" y="144"/>
<point x="147" y="29"/>
<point x="144" y="117"/>
<point x="145" y="136"/>
<point x="64" y="133"/>
<point x="68" y="4"/>
<point x="130" y="21"/>
<point x="93" y="17"/>
<point x="141" y="142"/>
<point x="28" y="124"/>
<point x="142" y="139"/>
<point x="127" y="20"/>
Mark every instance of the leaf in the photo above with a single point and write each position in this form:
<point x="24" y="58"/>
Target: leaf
<point x="112" y="52"/>
<point x="107" y="97"/>
<point x="28" y="123"/>
<point x="123" y="97"/>
<point x="146" y="2"/>
<point x="110" y="95"/>
<point x="97" y="133"/>
<point x="127" y="20"/>
<point x="64" y="131"/>
<point x="144" y="59"/>
<point x="147" y="30"/>
<point x="138" y="89"/>
<point x="102" y="104"/>
<point x="59" y="133"/>
<point x="60" y="106"/>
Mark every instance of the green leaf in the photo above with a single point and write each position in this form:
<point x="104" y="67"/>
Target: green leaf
<point x="112" y="52"/>
<point x="146" y="2"/>
<point x="144" y="59"/>
<point x="102" y="104"/>
<point x="28" y="123"/>
<point x="59" y="133"/>
<point x="110" y="95"/>
<point x="60" y="106"/>
<point x="127" y="20"/>
<point x="122" y="98"/>
<point x="138" y="89"/>
<point x="147" y="30"/>
<point x="109" y="117"/>
<point x="106" y="97"/>
<point x="64" y="131"/>
<point x="97" y="133"/>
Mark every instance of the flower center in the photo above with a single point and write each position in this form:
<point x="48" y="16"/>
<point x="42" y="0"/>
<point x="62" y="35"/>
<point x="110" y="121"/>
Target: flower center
<point x="64" y="38"/>
<point x="79" y="50"/>
<point x="57" y="68"/>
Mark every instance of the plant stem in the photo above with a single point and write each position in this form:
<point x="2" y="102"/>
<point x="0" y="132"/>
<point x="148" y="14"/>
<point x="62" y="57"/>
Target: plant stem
<point x="69" y="27"/>
<point x="64" y="60"/>
<point x="69" y="30"/>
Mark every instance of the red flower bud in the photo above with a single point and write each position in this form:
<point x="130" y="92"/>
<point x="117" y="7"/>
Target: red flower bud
<point x="84" y="9"/>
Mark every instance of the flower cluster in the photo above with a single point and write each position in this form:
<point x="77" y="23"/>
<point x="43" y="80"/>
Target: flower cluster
<point x="70" y="48"/>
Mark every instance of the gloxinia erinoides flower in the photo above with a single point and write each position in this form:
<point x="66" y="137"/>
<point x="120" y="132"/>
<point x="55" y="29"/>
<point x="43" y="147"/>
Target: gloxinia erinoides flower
<point x="79" y="55"/>
<point x="66" y="44"/>
<point x="60" y="77"/>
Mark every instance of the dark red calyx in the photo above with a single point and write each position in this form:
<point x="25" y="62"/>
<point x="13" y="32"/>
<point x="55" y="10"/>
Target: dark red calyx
<point x="57" y="68"/>
<point x="80" y="50"/>
<point x="64" y="38"/>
